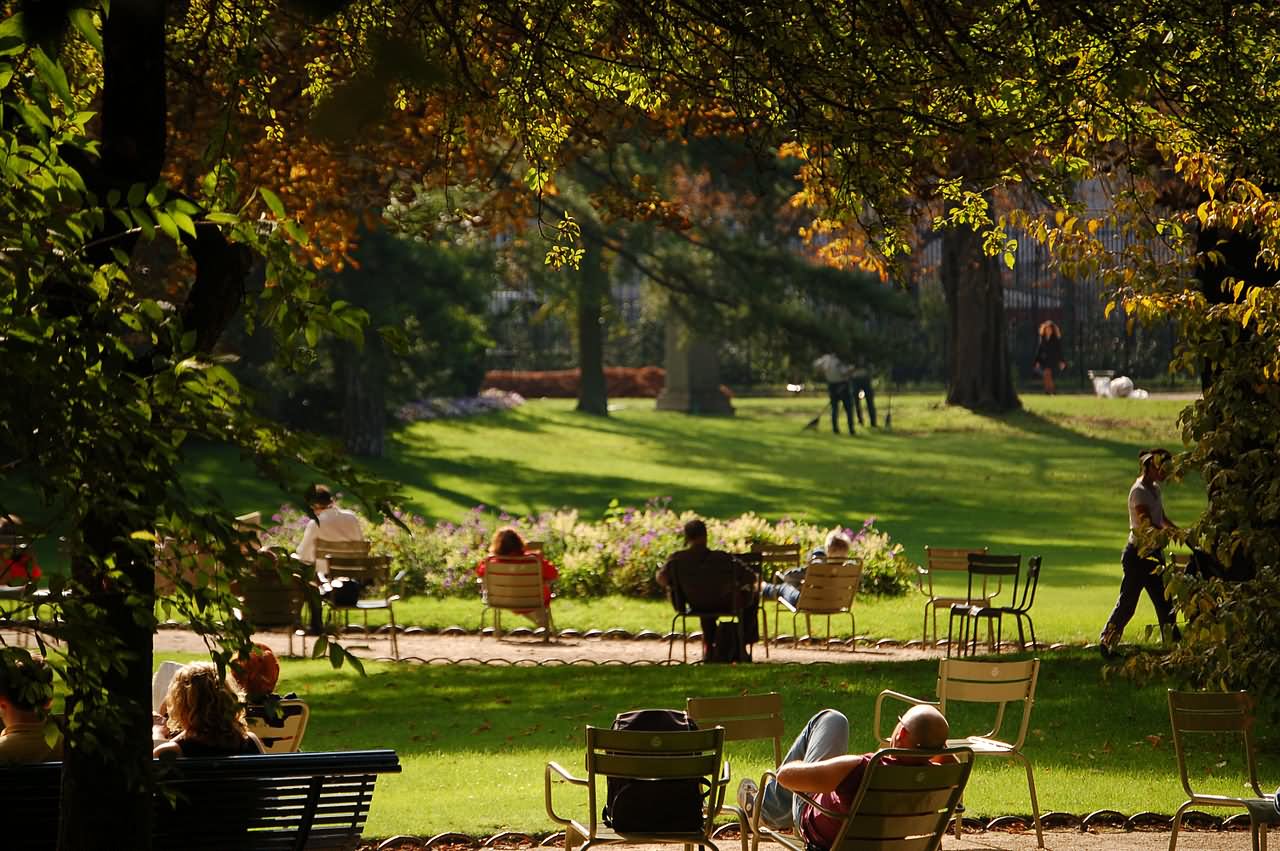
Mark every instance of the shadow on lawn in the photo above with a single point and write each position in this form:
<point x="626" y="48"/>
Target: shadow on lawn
<point x="463" y="712"/>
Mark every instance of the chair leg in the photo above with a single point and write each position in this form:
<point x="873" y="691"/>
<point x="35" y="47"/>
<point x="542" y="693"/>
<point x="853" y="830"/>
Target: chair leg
<point x="395" y="634"/>
<point x="764" y="634"/>
<point x="572" y="839"/>
<point x="853" y="634"/>
<point x="1177" y="823"/>
<point x="1035" y="804"/>
<point x="1032" y="628"/>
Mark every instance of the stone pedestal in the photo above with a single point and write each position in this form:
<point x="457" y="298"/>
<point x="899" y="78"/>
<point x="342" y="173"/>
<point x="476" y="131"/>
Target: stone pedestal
<point x="693" y="376"/>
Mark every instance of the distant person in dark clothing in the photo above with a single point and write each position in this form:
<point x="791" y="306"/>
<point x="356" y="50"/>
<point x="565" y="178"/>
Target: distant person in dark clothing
<point x="839" y="389"/>
<point x="861" y="390"/>
<point x="1049" y="354"/>
<point x="1146" y="511"/>
<point x="711" y="580"/>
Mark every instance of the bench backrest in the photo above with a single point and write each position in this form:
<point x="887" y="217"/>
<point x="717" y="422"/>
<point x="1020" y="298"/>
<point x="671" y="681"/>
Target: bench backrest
<point x="266" y="801"/>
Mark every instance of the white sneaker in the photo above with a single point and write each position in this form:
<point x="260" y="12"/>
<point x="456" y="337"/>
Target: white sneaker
<point x="747" y="791"/>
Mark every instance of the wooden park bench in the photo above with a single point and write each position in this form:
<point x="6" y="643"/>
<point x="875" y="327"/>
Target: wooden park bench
<point x="235" y="803"/>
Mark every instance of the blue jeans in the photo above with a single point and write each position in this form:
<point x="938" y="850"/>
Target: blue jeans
<point x="826" y="735"/>
<point x="785" y="590"/>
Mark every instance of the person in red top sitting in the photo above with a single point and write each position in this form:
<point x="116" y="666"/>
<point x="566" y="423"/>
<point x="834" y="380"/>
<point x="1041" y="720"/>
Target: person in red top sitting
<point x="508" y="545"/>
<point x="17" y="561"/>
<point x="820" y="765"/>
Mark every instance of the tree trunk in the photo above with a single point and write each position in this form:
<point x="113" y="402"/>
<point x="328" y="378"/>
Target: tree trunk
<point x="103" y="799"/>
<point x="979" y="376"/>
<point x="364" y="398"/>
<point x="593" y="286"/>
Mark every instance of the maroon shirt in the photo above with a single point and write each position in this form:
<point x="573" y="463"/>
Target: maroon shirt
<point x="820" y="828"/>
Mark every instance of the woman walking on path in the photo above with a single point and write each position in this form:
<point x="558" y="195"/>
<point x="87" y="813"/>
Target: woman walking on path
<point x="1146" y="511"/>
<point x="1049" y="354"/>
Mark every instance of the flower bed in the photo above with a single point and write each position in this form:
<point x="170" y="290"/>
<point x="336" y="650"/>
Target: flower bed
<point x="442" y="408"/>
<point x="616" y="555"/>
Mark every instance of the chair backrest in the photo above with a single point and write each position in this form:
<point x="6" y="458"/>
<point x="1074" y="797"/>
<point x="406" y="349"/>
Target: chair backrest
<point x="906" y="800"/>
<point x="829" y="586"/>
<point x="282" y="733"/>
<point x="1029" y="584"/>
<point x="369" y="570"/>
<point x="999" y="683"/>
<point x="329" y="549"/>
<point x="744" y="718"/>
<point x="985" y="567"/>
<point x="722" y="585"/>
<point x="269" y="599"/>
<point x="778" y="555"/>
<point x="944" y="562"/>
<point x="1228" y="712"/>
<point x="645" y="755"/>
<point x="185" y="562"/>
<point x="513" y="582"/>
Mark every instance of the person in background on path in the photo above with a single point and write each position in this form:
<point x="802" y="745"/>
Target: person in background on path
<point x="328" y="523"/>
<point x="836" y="373"/>
<point x="201" y="716"/>
<point x="709" y="584"/>
<point x="1049" y="354"/>
<point x="819" y="764"/>
<point x="1146" y="511"/>
<point x="861" y="390"/>
<point x="26" y="690"/>
<point x="507" y="545"/>
<point x="836" y="546"/>
<point x="17" y="561"/>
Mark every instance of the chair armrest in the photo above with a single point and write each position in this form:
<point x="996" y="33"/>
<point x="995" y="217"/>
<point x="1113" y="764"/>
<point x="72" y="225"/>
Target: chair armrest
<point x="755" y="809"/>
<point x="393" y="598"/>
<point x="781" y="602"/>
<point x="895" y="695"/>
<point x="568" y="778"/>
<point x="835" y="814"/>
<point x="715" y="802"/>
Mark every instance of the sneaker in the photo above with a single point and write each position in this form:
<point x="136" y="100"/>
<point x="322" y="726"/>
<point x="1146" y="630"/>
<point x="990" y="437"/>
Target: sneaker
<point x="747" y="791"/>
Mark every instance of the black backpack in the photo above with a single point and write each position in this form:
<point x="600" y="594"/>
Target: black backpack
<point x="654" y="806"/>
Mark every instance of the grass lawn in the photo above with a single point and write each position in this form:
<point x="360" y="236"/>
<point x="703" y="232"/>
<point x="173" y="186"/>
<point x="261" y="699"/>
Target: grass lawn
<point x="1050" y="479"/>
<point x="473" y="740"/>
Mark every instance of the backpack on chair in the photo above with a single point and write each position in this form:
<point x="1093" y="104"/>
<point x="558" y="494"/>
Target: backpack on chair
<point x="653" y="806"/>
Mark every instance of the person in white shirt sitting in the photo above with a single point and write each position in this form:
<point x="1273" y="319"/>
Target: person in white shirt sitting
<point x="329" y="523"/>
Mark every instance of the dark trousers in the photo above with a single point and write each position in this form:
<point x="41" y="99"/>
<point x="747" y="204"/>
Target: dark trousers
<point x="1139" y="575"/>
<point x="841" y="393"/>
<point x="863" y="386"/>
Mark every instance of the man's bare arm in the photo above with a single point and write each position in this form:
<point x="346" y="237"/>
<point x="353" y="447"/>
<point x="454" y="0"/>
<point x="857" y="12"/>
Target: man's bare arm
<point x="821" y="776"/>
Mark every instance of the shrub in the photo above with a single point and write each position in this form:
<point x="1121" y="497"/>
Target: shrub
<point x="643" y="382"/>
<point x="618" y="554"/>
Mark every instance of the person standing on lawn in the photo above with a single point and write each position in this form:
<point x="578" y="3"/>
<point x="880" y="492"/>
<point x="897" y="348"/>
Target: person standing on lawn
<point x="819" y="764"/>
<point x="839" y="390"/>
<point x="1141" y="568"/>
<point x="1049" y="354"/>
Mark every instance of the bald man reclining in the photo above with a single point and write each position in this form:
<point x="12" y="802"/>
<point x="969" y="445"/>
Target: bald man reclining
<point x="819" y="764"/>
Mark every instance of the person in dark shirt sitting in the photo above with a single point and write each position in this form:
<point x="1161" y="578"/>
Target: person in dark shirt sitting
<point x="712" y="580"/>
<point x="201" y="716"/>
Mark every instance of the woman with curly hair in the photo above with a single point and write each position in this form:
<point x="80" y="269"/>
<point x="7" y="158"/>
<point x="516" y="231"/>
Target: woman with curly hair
<point x="507" y="545"/>
<point x="204" y="716"/>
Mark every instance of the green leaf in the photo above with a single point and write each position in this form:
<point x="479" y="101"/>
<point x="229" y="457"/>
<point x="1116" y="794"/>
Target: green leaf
<point x="137" y="194"/>
<point x="167" y="224"/>
<point x="322" y="645"/>
<point x="51" y="72"/>
<point x="184" y="222"/>
<point x="82" y="20"/>
<point x="222" y="218"/>
<point x="11" y="40"/>
<point x="336" y="656"/>
<point x="273" y="202"/>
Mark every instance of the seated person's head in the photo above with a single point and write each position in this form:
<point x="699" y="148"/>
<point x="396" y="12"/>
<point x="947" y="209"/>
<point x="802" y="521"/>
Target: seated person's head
<point x="319" y="497"/>
<point x="506" y="542"/>
<point x="26" y="688"/>
<point x="922" y="727"/>
<point x="258" y="673"/>
<point x="837" y="545"/>
<point x="695" y="532"/>
<point x="202" y="706"/>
